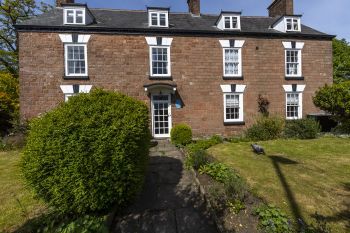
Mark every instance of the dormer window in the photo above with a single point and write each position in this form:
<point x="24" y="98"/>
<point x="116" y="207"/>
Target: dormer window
<point x="292" y="24"/>
<point x="158" y="18"/>
<point x="231" y="22"/>
<point x="74" y="16"/>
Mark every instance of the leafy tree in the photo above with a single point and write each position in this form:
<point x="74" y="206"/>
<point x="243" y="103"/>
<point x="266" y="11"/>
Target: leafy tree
<point x="341" y="60"/>
<point x="9" y="103"/>
<point x="13" y="12"/>
<point x="335" y="99"/>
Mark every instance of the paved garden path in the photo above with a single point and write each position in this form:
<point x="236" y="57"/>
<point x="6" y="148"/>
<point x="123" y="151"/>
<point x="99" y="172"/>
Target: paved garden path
<point x="171" y="200"/>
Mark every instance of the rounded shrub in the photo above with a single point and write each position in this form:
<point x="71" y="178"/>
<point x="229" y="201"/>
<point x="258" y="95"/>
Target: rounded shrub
<point x="302" y="129"/>
<point x="181" y="134"/>
<point x="90" y="153"/>
<point x="266" y="128"/>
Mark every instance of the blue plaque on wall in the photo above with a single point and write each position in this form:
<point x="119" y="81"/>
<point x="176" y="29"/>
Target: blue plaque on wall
<point x="178" y="103"/>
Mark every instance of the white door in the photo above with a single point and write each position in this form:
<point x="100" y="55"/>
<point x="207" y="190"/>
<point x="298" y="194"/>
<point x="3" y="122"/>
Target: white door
<point x="161" y="116"/>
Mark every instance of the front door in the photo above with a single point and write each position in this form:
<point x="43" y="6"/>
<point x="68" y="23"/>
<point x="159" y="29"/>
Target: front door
<point x="161" y="116"/>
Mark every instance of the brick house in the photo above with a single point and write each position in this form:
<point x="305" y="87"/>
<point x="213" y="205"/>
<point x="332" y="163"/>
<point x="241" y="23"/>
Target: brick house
<point x="204" y="70"/>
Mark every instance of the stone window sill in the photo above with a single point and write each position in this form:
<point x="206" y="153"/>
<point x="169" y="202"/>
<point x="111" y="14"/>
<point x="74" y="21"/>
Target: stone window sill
<point x="234" y="123"/>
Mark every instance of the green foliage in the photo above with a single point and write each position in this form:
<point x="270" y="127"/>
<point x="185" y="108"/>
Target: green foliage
<point x="196" y="154"/>
<point x="272" y="219"/>
<point x="13" y="12"/>
<point x="85" y="224"/>
<point x="218" y="171"/>
<point x="90" y="153"/>
<point x="9" y="101"/>
<point x="196" y="160"/>
<point x="181" y="134"/>
<point x="266" y="128"/>
<point x="341" y="60"/>
<point x="335" y="99"/>
<point x="235" y="206"/>
<point x="302" y="129"/>
<point x="203" y="144"/>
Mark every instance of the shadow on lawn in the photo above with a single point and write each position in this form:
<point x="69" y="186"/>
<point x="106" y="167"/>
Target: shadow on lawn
<point x="341" y="216"/>
<point x="277" y="161"/>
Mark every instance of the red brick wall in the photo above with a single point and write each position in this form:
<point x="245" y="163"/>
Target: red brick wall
<point x="281" y="7"/>
<point x="121" y="63"/>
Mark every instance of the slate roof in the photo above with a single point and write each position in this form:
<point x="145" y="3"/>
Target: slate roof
<point x="108" y="20"/>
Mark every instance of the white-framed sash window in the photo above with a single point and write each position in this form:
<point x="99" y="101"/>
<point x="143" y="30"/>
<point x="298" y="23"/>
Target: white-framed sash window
<point x="293" y="62"/>
<point x="158" y="19"/>
<point x="233" y="102"/>
<point x="76" y="59"/>
<point x="74" y="16"/>
<point x="232" y="62"/>
<point x="160" y="60"/>
<point x="294" y="101"/>
<point x="231" y="22"/>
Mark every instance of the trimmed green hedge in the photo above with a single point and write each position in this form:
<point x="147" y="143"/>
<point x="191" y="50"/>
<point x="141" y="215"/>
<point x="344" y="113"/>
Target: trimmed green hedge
<point x="302" y="129"/>
<point x="266" y="128"/>
<point x="90" y="153"/>
<point x="181" y="134"/>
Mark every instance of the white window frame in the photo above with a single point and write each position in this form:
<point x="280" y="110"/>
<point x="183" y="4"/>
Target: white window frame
<point x="151" y="61"/>
<point x="299" y="72"/>
<point x="65" y="15"/>
<point x="300" y="106"/>
<point x="66" y="60"/>
<point x="231" y="22"/>
<point x="292" y="24"/>
<point x="239" y="60"/>
<point x="158" y="13"/>
<point x="241" y="110"/>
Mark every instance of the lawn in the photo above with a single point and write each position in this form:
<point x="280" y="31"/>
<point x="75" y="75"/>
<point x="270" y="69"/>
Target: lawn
<point x="300" y="176"/>
<point x="17" y="204"/>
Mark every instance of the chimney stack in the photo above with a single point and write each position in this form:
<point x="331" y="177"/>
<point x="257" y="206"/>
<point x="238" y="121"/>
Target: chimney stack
<point x="60" y="2"/>
<point x="281" y="7"/>
<point x="194" y="7"/>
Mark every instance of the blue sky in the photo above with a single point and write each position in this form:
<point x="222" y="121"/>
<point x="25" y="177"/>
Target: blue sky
<point x="330" y="16"/>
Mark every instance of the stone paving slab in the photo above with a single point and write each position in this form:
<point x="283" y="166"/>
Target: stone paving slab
<point x="170" y="202"/>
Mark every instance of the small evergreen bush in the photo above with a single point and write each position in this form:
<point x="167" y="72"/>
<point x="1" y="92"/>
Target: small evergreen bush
<point x="302" y="129"/>
<point x="197" y="159"/>
<point x="88" y="154"/>
<point x="181" y="134"/>
<point x="266" y="128"/>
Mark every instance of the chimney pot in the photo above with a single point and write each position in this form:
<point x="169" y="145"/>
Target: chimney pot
<point x="281" y="7"/>
<point x="194" y="7"/>
<point x="60" y="2"/>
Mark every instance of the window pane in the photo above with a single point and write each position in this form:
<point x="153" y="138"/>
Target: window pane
<point x="232" y="106"/>
<point x="154" y="19"/>
<point x="232" y="61"/>
<point x="79" y="16"/>
<point x="76" y="59"/>
<point x="162" y="19"/>
<point x="227" y="22"/>
<point x="70" y="16"/>
<point x="292" y="62"/>
<point x="160" y="61"/>
<point x="234" y="22"/>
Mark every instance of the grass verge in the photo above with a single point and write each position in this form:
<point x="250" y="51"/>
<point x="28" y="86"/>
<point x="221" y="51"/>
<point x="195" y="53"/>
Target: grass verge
<point x="306" y="178"/>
